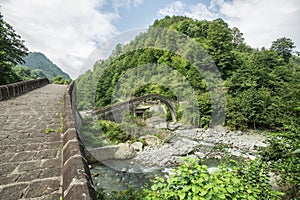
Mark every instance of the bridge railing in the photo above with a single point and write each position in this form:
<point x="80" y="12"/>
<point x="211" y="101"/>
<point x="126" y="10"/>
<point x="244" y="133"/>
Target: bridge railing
<point x="16" y="89"/>
<point x="77" y="181"/>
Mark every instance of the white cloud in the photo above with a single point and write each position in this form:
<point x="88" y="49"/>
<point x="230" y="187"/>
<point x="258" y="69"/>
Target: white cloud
<point x="125" y="3"/>
<point x="175" y="8"/>
<point x="201" y="11"/>
<point x="264" y="21"/>
<point x="66" y="31"/>
<point x="261" y="21"/>
<point x="198" y="11"/>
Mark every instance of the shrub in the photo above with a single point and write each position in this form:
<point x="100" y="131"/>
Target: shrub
<point x="284" y="159"/>
<point x="193" y="181"/>
<point x="113" y="132"/>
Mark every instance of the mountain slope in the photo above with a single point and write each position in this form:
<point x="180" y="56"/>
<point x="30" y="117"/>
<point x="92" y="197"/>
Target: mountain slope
<point x="262" y="88"/>
<point x="37" y="60"/>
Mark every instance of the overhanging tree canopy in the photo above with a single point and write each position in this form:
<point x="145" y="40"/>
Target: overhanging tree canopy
<point x="12" y="52"/>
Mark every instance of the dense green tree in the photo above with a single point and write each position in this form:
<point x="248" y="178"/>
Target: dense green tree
<point x="85" y="95"/>
<point x="219" y="41"/>
<point x="27" y="74"/>
<point x="61" y="80"/>
<point x="12" y="51"/>
<point x="284" y="47"/>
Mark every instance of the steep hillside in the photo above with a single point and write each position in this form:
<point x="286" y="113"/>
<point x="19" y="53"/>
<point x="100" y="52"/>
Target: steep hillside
<point x="37" y="60"/>
<point x="262" y="85"/>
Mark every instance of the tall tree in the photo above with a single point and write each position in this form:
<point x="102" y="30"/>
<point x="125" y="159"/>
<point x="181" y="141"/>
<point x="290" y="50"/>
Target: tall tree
<point x="284" y="47"/>
<point x="219" y="40"/>
<point x="12" y="52"/>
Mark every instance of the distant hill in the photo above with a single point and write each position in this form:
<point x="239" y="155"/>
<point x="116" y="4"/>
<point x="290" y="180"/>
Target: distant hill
<point x="38" y="61"/>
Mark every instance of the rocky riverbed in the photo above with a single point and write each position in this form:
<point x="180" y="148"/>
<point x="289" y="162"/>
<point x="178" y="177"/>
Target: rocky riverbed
<point x="181" y="141"/>
<point x="201" y="143"/>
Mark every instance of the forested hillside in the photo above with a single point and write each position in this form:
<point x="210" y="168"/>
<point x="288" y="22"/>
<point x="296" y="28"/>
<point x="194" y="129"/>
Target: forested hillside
<point x="262" y="84"/>
<point x="38" y="61"/>
<point x="262" y="89"/>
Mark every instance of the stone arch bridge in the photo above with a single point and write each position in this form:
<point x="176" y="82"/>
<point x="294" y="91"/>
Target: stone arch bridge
<point x="115" y="111"/>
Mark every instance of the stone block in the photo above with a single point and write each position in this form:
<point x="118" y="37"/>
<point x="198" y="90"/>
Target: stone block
<point x="70" y="149"/>
<point x="29" y="175"/>
<point x="70" y="134"/>
<point x="73" y="169"/>
<point x="84" y="192"/>
<point x="13" y="191"/>
<point x="23" y="156"/>
<point x="47" y="154"/>
<point x="50" y="172"/>
<point x="51" y="163"/>
<point x="42" y="187"/>
<point x="8" y="178"/>
<point x="28" y="166"/>
<point x="7" y="168"/>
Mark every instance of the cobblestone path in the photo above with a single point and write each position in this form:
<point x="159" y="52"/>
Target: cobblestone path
<point x="30" y="158"/>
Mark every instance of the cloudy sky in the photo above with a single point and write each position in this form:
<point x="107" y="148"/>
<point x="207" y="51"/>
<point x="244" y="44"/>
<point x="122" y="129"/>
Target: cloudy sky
<point x="67" y="31"/>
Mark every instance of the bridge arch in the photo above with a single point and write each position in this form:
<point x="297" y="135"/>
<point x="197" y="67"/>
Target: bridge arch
<point x="168" y="102"/>
<point x="115" y="111"/>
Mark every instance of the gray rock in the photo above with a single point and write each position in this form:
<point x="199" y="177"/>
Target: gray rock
<point x="200" y="155"/>
<point x="184" y="146"/>
<point x="137" y="146"/>
<point x="152" y="140"/>
<point x="124" y="151"/>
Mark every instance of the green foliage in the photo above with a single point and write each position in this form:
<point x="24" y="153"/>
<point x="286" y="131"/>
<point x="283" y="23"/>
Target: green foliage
<point x="130" y="194"/>
<point x="61" y="123"/>
<point x="50" y="130"/>
<point x="60" y="130"/>
<point x="85" y="91"/>
<point x="60" y="80"/>
<point x="284" y="159"/>
<point x="12" y="51"/>
<point x="27" y="74"/>
<point x="193" y="181"/>
<point x="263" y="92"/>
<point x="154" y="89"/>
<point x="284" y="47"/>
<point x="38" y="61"/>
<point x="90" y="134"/>
<point x="113" y="132"/>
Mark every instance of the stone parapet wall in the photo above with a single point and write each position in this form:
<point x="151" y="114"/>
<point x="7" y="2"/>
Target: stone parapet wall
<point x="16" y="89"/>
<point x="77" y="181"/>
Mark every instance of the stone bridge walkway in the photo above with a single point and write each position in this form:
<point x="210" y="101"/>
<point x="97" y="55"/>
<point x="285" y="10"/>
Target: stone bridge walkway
<point x="30" y="158"/>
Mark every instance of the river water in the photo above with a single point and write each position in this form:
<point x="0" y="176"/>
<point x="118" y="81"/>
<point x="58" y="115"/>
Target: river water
<point x="111" y="179"/>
